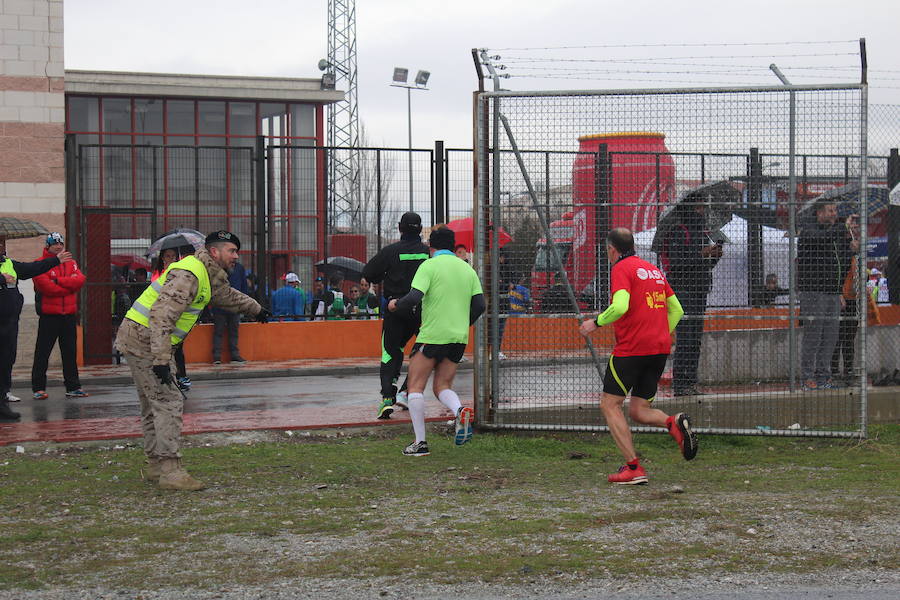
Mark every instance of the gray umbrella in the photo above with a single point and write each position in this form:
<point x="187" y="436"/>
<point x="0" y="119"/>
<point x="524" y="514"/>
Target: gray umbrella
<point x="719" y="198"/>
<point x="176" y="239"/>
<point x="350" y="268"/>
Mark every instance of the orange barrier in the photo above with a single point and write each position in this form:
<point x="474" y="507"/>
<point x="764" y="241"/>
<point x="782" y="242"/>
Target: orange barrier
<point x="279" y="341"/>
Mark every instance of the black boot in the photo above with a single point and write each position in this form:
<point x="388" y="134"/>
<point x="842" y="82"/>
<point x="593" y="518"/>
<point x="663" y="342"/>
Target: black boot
<point x="6" y="414"/>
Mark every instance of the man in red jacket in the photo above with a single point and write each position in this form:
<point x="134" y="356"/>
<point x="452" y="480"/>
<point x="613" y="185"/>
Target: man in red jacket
<point x="56" y="301"/>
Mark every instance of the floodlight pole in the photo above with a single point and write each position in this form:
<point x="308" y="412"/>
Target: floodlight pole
<point x="409" y="139"/>
<point x="409" y="89"/>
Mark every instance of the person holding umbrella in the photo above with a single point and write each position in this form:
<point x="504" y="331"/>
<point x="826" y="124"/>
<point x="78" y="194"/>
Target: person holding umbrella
<point x="394" y="266"/>
<point x="56" y="303"/>
<point x="160" y="319"/>
<point x="11" y="301"/>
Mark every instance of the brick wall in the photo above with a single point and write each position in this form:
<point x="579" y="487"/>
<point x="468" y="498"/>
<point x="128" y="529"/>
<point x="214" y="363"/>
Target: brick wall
<point x="32" y="131"/>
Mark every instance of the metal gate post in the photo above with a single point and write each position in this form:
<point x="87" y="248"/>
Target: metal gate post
<point x="440" y="190"/>
<point x="262" y="277"/>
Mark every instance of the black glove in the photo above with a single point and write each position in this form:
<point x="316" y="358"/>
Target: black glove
<point x="163" y="373"/>
<point x="263" y="316"/>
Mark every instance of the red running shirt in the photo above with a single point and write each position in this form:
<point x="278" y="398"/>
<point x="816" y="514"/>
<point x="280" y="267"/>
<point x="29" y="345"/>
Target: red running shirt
<point x="644" y="329"/>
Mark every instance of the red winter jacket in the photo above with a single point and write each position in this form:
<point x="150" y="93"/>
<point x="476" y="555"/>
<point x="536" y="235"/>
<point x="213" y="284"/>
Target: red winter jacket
<point x="56" y="291"/>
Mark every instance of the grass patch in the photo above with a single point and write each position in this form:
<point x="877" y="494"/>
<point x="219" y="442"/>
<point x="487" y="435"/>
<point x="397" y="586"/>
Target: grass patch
<point x="502" y="508"/>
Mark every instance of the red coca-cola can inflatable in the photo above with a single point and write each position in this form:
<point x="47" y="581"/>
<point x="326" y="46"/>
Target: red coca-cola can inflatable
<point x="643" y="177"/>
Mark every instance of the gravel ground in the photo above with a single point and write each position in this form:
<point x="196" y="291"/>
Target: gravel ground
<point x="782" y="527"/>
<point x="838" y="585"/>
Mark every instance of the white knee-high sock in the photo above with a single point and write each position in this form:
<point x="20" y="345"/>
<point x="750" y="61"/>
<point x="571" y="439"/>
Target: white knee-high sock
<point x="449" y="399"/>
<point x="416" y="404"/>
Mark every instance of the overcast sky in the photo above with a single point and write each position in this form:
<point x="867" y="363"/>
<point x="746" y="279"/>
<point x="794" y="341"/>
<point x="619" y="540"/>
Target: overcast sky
<point x="288" y="37"/>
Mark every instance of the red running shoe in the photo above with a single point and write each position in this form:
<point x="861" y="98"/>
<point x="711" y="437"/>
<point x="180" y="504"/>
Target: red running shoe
<point x="679" y="427"/>
<point x="628" y="476"/>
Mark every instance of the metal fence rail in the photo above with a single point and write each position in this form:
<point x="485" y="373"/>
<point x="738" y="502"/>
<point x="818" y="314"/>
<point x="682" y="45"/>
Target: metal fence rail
<point x="557" y="170"/>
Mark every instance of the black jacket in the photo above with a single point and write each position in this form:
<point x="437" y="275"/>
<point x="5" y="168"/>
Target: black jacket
<point x="396" y="264"/>
<point x="823" y="257"/>
<point x="686" y="270"/>
<point x="10" y="297"/>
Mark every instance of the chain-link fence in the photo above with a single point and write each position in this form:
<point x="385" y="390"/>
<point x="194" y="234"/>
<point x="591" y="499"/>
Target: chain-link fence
<point x="748" y="201"/>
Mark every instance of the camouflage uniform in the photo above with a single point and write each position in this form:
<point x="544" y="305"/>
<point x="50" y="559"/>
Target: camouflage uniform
<point x="144" y="347"/>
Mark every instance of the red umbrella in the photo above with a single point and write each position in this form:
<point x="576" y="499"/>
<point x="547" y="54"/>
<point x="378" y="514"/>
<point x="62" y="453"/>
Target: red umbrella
<point x="131" y="261"/>
<point x="465" y="233"/>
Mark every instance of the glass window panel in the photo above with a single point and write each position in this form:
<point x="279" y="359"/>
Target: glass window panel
<point x="84" y="114"/>
<point x="211" y="117"/>
<point x="242" y="118"/>
<point x="303" y="120"/>
<point x="148" y="115"/>
<point x="213" y="140"/>
<point x="272" y="119"/>
<point x="180" y="117"/>
<point x="117" y="115"/>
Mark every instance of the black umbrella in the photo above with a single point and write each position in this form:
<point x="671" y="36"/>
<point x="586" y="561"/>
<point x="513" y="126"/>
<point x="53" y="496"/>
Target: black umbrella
<point x="849" y="200"/>
<point x="350" y="268"/>
<point x="719" y="198"/>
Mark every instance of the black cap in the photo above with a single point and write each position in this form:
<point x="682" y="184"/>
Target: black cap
<point x="223" y="236"/>
<point x="442" y="239"/>
<point x="410" y="222"/>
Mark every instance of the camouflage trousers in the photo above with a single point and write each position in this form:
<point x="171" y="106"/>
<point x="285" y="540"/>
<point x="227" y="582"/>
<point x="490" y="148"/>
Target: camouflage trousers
<point x="161" y="409"/>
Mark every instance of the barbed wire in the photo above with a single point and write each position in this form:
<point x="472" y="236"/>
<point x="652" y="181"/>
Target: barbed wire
<point x="684" y="45"/>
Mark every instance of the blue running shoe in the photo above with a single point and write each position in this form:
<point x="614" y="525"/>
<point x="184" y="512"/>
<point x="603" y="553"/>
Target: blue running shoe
<point x="79" y="393"/>
<point x="464" y="418"/>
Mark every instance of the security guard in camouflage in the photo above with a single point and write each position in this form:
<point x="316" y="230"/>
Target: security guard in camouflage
<point x="156" y="324"/>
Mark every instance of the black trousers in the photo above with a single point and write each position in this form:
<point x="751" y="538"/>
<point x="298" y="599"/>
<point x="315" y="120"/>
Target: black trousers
<point x="53" y="328"/>
<point x="9" y="338"/>
<point x="396" y="331"/>
<point x="689" y="335"/>
<point x="221" y="322"/>
<point x="846" y="343"/>
<point x="180" y="368"/>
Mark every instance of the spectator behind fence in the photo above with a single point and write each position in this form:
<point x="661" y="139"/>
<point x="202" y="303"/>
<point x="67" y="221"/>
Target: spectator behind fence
<point x="846" y="342"/>
<point x="689" y="257"/>
<point x="225" y="320"/>
<point x="317" y="304"/>
<point x="877" y="285"/>
<point x="56" y="303"/>
<point x="766" y="296"/>
<point x="368" y="304"/>
<point x="336" y="305"/>
<point x="823" y="248"/>
<point x="461" y="252"/>
<point x="290" y="301"/>
<point x="11" y="301"/>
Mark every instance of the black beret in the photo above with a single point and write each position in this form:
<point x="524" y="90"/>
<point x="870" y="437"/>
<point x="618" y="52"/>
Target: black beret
<point x="223" y="236"/>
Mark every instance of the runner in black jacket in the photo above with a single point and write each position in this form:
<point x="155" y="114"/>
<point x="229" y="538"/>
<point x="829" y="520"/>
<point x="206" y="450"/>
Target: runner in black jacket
<point x="10" y="308"/>
<point x="394" y="267"/>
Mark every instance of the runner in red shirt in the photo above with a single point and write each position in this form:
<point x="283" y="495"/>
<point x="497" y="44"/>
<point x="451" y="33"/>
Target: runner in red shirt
<point x="644" y="312"/>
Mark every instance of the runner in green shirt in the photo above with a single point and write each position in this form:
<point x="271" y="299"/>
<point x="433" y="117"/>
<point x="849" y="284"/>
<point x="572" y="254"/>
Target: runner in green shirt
<point x="452" y="301"/>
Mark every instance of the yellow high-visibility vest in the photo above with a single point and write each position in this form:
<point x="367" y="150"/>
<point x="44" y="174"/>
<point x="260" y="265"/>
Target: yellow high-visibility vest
<point x="140" y="310"/>
<point x="7" y="267"/>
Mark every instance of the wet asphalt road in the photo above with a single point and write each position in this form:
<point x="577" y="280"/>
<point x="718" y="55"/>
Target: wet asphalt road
<point x="219" y="396"/>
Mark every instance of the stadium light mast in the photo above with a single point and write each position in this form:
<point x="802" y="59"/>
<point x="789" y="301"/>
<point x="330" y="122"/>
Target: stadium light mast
<point x="343" y="117"/>
<point x="421" y="82"/>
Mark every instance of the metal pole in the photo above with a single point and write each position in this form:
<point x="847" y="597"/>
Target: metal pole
<point x="862" y="309"/>
<point x="409" y="132"/>
<point x="792" y="231"/>
<point x="545" y="227"/>
<point x="440" y="195"/>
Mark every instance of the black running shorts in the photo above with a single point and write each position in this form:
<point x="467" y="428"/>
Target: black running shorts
<point x="636" y="374"/>
<point x="438" y="352"/>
